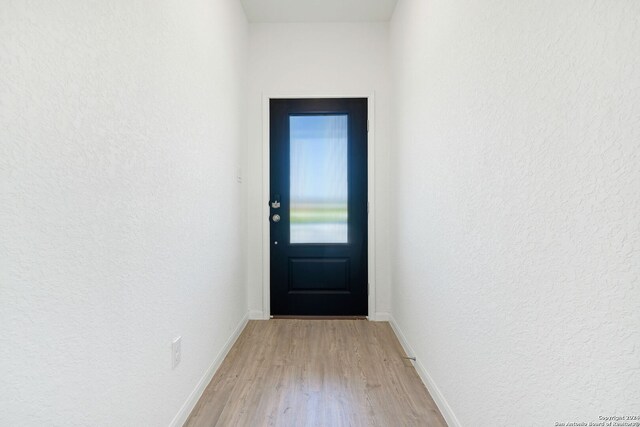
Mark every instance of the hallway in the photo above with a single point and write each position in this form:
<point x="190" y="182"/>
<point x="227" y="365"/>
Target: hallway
<point x="148" y="200"/>
<point x="321" y="373"/>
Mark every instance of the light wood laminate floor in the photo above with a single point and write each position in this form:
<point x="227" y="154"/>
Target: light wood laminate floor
<point x="329" y="373"/>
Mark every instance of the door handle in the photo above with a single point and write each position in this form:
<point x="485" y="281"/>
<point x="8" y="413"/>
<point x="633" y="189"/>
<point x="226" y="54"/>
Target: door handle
<point x="275" y="218"/>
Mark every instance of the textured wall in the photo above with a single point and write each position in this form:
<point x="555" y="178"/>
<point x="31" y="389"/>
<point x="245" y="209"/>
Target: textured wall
<point x="319" y="59"/>
<point x="121" y="125"/>
<point x="517" y="182"/>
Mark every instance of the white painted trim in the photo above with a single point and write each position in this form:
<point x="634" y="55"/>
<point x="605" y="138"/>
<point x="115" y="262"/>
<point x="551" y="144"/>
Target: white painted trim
<point x="371" y="220"/>
<point x="435" y="392"/>
<point x="256" y="315"/>
<point x="382" y="316"/>
<point x="185" y="410"/>
<point x="266" y="247"/>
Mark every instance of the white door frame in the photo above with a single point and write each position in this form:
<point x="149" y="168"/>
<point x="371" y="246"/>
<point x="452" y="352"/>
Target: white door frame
<point x="266" y="238"/>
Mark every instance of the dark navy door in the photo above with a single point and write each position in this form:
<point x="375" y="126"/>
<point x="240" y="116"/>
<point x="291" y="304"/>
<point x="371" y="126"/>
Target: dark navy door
<point x="318" y="206"/>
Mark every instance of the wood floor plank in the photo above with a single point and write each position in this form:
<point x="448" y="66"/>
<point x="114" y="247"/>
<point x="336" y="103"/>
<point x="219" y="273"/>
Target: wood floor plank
<point x="316" y="373"/>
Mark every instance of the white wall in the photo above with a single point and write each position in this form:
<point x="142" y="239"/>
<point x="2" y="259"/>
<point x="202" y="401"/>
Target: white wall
<point x="517" y="182"/>
<point x="121" y="125"/>
<point x="318" y="59"/>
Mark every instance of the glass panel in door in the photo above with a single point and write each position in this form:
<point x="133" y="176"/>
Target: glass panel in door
<point x="318" y="178"/>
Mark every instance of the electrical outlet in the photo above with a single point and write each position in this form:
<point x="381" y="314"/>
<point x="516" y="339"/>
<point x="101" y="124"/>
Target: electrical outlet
<point x="176" y="351"/>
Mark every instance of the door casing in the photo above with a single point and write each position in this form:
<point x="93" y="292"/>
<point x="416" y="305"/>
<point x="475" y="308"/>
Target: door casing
<point x="266" y="247"/>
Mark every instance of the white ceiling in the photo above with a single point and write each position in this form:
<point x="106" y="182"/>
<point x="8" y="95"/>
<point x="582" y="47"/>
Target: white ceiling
<point x="318" y="10"/>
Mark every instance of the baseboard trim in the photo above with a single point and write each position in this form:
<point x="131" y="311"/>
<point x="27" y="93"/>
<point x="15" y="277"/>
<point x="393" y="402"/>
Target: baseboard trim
<point x="256" y="315"/>
<point x="185" y="411"/>
<point x="382" y="316"/>
<point x="435" y="392"/>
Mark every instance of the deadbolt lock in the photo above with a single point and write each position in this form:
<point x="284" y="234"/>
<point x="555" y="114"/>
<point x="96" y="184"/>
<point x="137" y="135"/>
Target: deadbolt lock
<point x="276" y="218"/>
